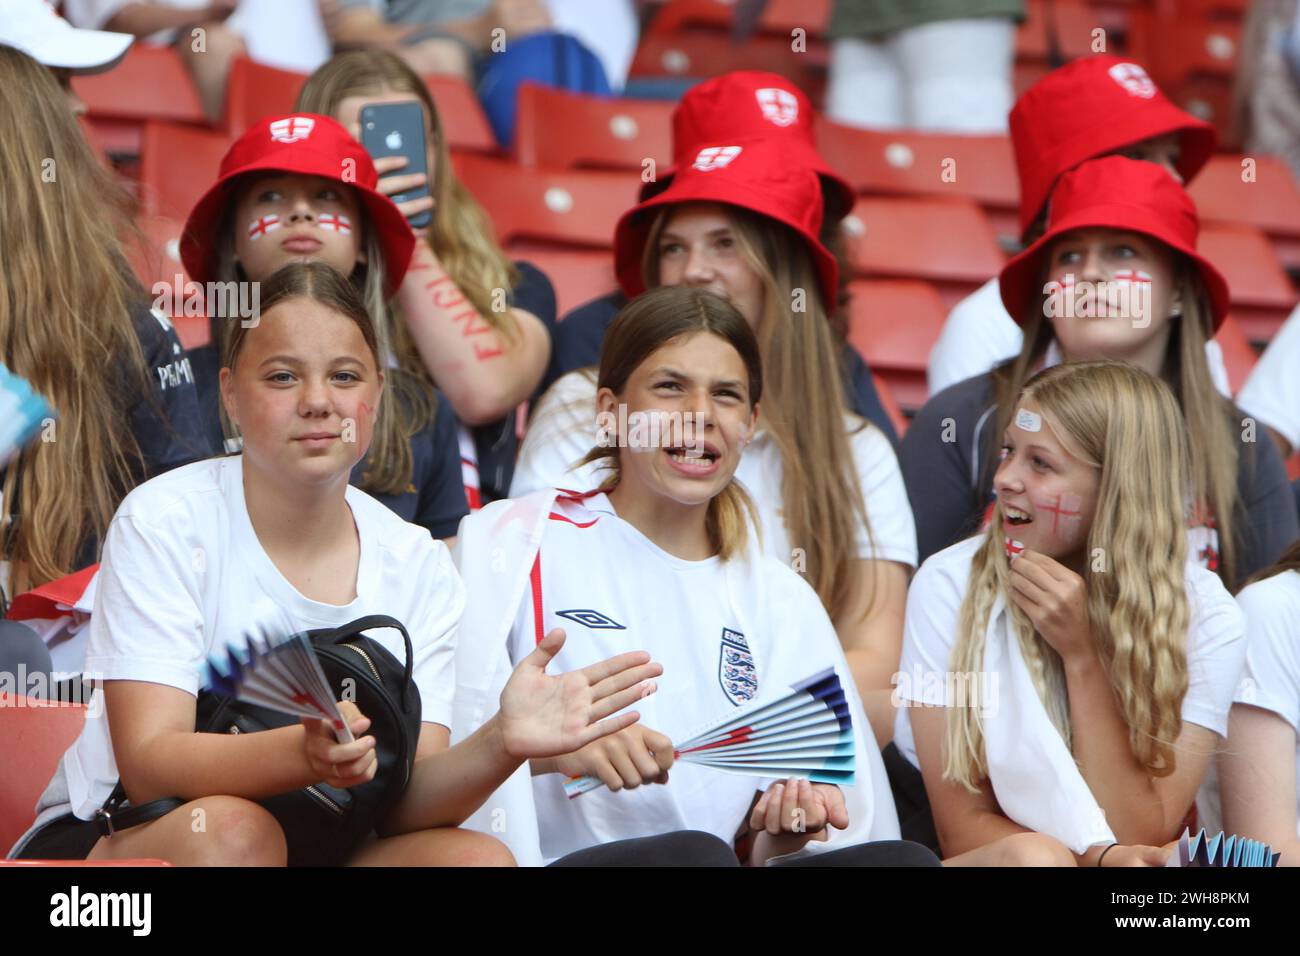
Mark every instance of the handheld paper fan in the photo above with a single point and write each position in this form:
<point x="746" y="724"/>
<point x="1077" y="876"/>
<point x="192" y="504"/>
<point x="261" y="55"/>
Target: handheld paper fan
<point x="282" y="674"/>
<point x="805" y="733"/>
<point x="1220" y="851"/>
<point x="21" y="413"/>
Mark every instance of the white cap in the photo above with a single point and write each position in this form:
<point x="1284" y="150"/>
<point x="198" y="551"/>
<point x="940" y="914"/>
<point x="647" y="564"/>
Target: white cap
<point x="33" y="27"/>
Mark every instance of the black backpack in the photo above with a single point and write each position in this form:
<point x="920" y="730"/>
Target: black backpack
<point x="322" y="825"/>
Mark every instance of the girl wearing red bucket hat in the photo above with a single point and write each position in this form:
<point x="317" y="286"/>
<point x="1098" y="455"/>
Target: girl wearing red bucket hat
<point x="1115" y="275"/>
<point x="742" y="222"/>
<point x="451" y="325"/>
<point x="1092" y="107"/>
<point x="296" y="188"/>
<point x="742" y="105"/>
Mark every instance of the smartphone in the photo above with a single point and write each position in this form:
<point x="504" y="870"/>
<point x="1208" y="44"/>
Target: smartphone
<point x="397" y="129"/>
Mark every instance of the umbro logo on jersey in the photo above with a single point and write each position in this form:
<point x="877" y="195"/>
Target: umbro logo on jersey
<point x="715" y="157"/>
<point x="592" y="619"/>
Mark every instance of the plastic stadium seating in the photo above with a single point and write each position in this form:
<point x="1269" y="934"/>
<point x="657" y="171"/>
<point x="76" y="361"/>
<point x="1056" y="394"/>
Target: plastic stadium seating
<point x="779" y="17"/>
<point x="149" y="83"/>
<point x="981" y="168"/>
<point x="177" y="164"/>
<point x="1055" y="28"/>
<point x="256" y="91"/>
<point x="556" y="129"/>
<point x="1238" y="355"/>
<point x="563" y="207"/>
<point x="1261" y="294"/>
<point x="701" y="56"/>
<point x="1267" y="198"/>
<point x="944" y="240"/>
<point x="893" y="324"/>
<point x="159" y="261"/>
<point x="578" y="275"/>
<point x="33" y="737"/>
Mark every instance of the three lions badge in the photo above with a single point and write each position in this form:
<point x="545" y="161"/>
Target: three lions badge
<point x="736" y="671"/>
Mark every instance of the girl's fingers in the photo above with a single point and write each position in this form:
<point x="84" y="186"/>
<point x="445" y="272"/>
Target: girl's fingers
<point x="625" y="767"/>
<point x="641" y="758"/>
<point x="758" y="816"/>
<point x="608" y="775"/>
<point x="606" y="727"/>
<point x="386" y="164"/>
<point x="344" y="753"/>
<point x="789" y="803"/>
<point x="624" y="679"/>
<point x="611" y="705"/>
<point x="389" y="185"/>
<point x="1022" y="585"/>
<point x="413" y="207"/>
<point x="611" y="666"/>
<point x="772" y="819"/>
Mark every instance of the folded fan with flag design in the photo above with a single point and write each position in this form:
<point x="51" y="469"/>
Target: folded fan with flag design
<point x="281" y="674"/>
<point x="21" y="413"/>
<point x="1203" y="850"/>
<point x="807" y="732"/>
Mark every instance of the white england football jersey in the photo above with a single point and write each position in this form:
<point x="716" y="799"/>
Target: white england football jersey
<point x="612" y="590"/>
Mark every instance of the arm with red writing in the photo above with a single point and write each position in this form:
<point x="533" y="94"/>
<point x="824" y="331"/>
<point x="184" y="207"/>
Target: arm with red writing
<point x="484" y="372"/>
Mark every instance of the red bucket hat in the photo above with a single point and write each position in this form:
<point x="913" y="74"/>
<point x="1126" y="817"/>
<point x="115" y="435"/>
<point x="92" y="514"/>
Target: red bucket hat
<point x="299" y="143"/>
<point x="1090" y="107"/>
<point x="1115" y="193"/>
<point x="751" y="104"/>
<point x="755" y="174"/>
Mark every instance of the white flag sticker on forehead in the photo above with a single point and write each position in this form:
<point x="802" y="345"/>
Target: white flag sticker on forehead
<point x="778" y="106"/>
<point x="1028" y="421"/>
<point x="1134" y="79"/>
<point x="292" y="129"/>
<point x="715" y="157"/>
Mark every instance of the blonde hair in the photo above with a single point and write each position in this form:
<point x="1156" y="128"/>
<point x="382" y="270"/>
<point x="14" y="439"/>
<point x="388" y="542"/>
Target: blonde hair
<point x="642" y="327"/>
<point x="461" y="233"/>
<point x="1126" y="423"/>
<point x="65" y="326"/>
<point x="1206" y="414"/>
<point x="803" y="408"/>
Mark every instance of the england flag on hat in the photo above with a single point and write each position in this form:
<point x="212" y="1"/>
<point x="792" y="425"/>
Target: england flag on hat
<point x="778" y="106"/>
<point x="292" y="128"/>
<point x="1134" y="79"/>
<point x="715" y="157"/>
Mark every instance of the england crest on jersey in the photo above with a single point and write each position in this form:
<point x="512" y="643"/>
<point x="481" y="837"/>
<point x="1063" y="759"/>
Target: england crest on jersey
<point x="779" y="106"/>
<point x="736" y="671"/>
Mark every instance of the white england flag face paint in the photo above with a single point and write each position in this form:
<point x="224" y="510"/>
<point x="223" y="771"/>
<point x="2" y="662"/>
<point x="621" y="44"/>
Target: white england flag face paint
<point x="339" y="223"/>
<point x="1028" y="421"/>
<point x="260" y="226"/>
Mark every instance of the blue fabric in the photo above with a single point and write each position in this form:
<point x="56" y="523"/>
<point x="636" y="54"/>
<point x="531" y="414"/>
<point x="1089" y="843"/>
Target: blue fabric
<point x="552" y="59"/>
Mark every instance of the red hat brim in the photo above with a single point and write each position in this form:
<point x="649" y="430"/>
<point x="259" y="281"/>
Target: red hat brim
<point x="200" y="242"/>
<point x="1021" y="278"/>
<point x="633" y="229"/>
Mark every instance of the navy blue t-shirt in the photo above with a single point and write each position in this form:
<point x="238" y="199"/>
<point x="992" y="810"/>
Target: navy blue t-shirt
<point x="577" y="340"/>
<point x="497" y="443"/>
<point x="435" y="498"/>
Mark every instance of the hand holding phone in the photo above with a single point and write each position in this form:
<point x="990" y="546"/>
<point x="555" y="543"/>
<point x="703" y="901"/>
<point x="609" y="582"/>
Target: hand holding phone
<point x="393" y="134"/>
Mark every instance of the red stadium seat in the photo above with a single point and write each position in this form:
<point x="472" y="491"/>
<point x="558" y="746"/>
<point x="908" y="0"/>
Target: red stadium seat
<point x="1055" y="27"/>
<point x="1239" y="357"/>
<point x="887" y="402"/>
<point x="158" y="261"/>
<point x="578" y="275"/>
<point x="255" y="90"/>
<point x="893" y="324"/>
<point x="779" y="17"/>
<point x="149" y="83"/>
<point x="564" y="207"/>
<point x="1261" y="294"/>
<point x="929" y="164"/>
<point x="1261" y="194"/>
<point x="33" y="736"/>
<point x="945" y="240"/>
<point x="557" y="129"/>
<point x="704" y="55"/>
<point x="178" y="164"/>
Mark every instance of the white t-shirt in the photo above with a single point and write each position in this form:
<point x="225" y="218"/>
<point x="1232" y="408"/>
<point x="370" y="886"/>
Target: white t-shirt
<point x="681" y="612"/>
<point x="563" y="430"/>
<point x="979" y="333"/>
<point x="1271" y="678"/>
<point x="183" y="574"/>
<point x="1216" y="641"/>
<point x="1272" y="393"/>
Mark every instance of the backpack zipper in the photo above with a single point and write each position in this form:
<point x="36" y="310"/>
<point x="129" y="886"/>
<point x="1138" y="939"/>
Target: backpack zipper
<point x="366" y="657"/>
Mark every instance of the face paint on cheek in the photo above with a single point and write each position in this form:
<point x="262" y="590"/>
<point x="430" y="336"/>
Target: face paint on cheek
<point x="1014" y="548"/>
<point x="340" y="223"/>
<point x="1066" y="513"/>
<point x="1028" y="421"/>
<point x="1133" y="295"/>
<point x="260" y="226"/>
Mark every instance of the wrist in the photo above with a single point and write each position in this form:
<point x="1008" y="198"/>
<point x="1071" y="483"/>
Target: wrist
<point x="1084" y="664"/>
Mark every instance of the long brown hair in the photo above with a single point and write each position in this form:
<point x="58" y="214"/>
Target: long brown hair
<point x="1206" y="414"/>
<point x="821" y="494"/>
<point x="1289" y="561"/>
<point x="65" y="326"/>
<point x="645" y="325"/>
<point x="461" y="234"/>
<point x="307" y="280"/>
<point x="1127" y="424"/>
